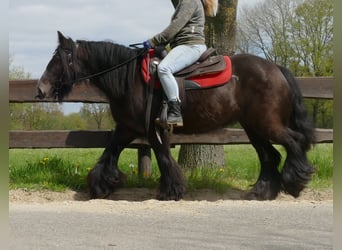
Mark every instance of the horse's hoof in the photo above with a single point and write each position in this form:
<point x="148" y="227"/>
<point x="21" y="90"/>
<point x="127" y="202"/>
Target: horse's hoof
<point x="250" y="196"/>
<point x="96" y="192"/>
<point x="100" y="186"/>
<point x="263" y="190"/>
<point x="293" y="190"/>
<point x="163" y="197"/>
<point x="171" y="196"/>
<point x="292" y="187"/>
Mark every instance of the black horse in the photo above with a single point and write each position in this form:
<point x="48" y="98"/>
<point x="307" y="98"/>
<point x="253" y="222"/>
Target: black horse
<point x="264" y="98"/>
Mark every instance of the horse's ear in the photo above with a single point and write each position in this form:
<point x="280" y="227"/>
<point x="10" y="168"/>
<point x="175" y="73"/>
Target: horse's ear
<point x="63" y="41"/>
<point x="61" y="37"/>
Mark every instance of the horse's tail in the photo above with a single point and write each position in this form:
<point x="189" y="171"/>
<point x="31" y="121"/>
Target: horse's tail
<point x="300" y="121"/>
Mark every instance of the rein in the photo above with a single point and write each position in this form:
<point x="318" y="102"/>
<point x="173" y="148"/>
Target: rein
<point x="70" y="55"/>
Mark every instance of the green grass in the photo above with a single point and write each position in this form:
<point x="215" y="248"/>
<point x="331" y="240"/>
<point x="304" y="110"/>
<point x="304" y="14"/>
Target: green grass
<point x="61" y="169"/>
<point x="53" y="169"/>
<point x="321" y="157"/>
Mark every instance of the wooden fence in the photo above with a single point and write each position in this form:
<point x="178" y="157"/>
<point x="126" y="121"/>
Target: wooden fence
<point x="23" y="91"/>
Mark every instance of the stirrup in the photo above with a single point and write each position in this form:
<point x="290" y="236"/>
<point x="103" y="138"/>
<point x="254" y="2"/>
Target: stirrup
<point x="168" y="125"/>
<point x="160" y="123"/>
<point x="175" y="121"/>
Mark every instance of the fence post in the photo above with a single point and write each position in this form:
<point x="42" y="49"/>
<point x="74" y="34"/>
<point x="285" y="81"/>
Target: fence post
<point x="144" y="161"/>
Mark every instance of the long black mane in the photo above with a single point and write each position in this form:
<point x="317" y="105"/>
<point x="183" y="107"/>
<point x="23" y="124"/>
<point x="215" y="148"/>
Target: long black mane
<point x="103" y="55"/>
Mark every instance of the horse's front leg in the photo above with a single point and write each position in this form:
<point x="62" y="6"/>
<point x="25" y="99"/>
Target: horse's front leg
<point x="106" y="176"/>
<point x="171" y="177"/>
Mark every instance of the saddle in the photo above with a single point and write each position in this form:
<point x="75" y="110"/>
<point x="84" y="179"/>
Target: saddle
<point x="210" y="70"/>
<point x="206" y="64"/>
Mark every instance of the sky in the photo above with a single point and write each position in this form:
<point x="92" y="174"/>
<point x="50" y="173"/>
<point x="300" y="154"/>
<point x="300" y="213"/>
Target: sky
<point x="33" y="26"/>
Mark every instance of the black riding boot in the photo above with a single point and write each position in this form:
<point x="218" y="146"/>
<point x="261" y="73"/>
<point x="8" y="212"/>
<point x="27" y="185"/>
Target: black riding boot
<point x="174" y="116"/>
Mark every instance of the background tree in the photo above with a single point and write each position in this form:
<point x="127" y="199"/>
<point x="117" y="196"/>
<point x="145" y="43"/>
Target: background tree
<point x="220" y="34"/>
<point x="42" y="116"/>
<point x="97" y="116"/>
<point x="297" y="34"/>
<point x="73" y="121"/>
<point x="17" y="72"/>
<point x="30" y="116"/>
<point x="220" y="31"/>
<point x="312" y="37"/>
<point x="265" y="29"/>
<point x="38" y="116"/>
<point x="313" y="44"/>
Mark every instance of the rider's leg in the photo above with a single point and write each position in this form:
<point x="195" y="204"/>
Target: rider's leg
<point x="177" y="59"/>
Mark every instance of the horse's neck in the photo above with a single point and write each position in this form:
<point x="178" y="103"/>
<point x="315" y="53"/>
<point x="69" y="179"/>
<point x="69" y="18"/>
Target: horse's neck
<point x="99" y="56"/>
<point x="104" y="56"/>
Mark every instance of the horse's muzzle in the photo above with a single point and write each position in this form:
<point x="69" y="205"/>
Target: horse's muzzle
<point x="40" y="95"/>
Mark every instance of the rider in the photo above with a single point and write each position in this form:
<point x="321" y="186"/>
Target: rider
<point x="185" y="34"/>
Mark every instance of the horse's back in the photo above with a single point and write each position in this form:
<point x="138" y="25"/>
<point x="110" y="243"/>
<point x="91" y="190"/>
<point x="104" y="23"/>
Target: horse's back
<point x="252" y="65"/>
<point x="258" y="73"/>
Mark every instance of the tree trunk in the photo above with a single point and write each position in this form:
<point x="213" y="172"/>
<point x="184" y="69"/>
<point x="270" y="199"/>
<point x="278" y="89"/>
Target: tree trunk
<point x="220" y="34"/>
<point x="196" y="155"/>
<point x="220" y="31"/>
<point x="144" y="162"/>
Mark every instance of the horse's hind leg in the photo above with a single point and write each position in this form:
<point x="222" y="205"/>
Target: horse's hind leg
<point x="105" y="176"/>
<point x="268" y="184"/>
<point x="297" y="171"/>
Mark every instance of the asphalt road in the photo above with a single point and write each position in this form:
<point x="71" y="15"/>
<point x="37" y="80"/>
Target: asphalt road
<point x="150" y="224"/>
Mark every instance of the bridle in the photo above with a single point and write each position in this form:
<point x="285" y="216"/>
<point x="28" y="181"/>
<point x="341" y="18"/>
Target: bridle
<point x="68" y="57"/>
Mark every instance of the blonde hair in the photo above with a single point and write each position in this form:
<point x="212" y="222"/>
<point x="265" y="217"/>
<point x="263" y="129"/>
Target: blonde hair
<point x="210" y="7"/>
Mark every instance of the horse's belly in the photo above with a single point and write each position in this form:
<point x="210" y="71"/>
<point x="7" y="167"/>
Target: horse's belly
<point x="210" y="109"/>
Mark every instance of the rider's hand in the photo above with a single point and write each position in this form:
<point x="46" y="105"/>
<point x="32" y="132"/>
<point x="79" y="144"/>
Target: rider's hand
<point x="147" y="44"/>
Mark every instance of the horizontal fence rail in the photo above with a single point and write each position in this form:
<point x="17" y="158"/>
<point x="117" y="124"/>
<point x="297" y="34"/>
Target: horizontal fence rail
<point x="21" y="91"/>
<point x="98" y="139"/>
<point x="25" y="91"/>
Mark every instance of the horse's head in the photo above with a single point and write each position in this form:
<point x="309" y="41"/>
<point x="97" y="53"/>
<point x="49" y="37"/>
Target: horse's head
<point x="60" y="73"/>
